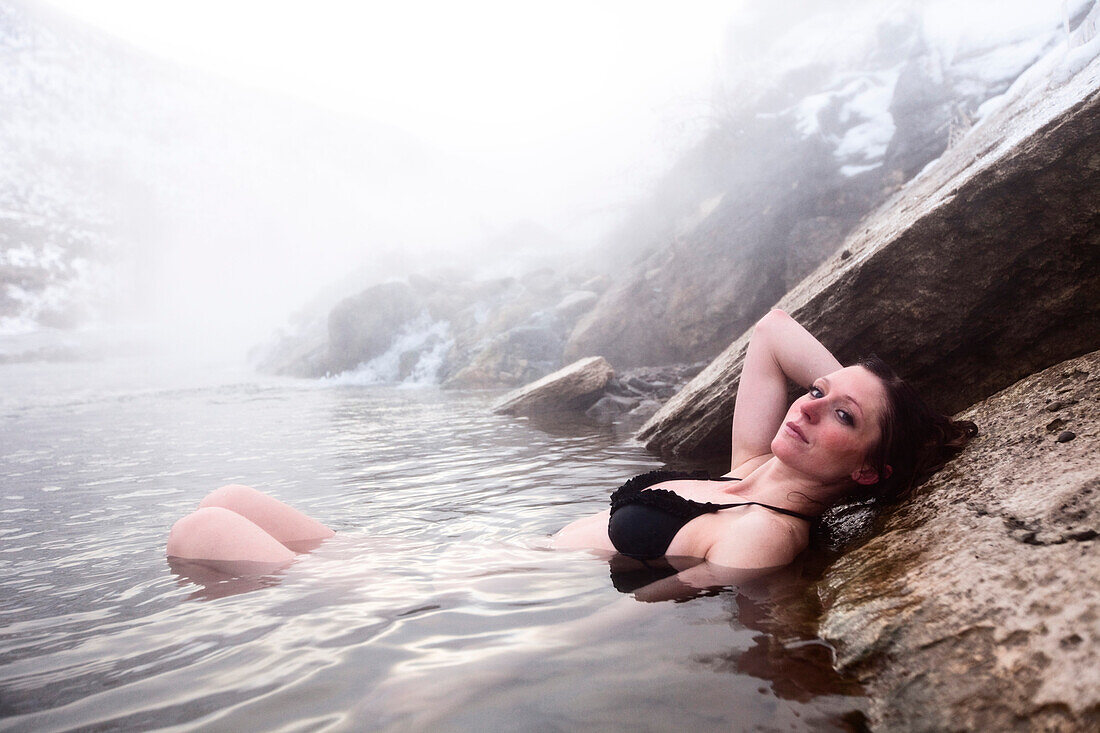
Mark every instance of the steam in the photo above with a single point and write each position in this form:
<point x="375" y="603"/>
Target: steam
<point x="279" y="154"/>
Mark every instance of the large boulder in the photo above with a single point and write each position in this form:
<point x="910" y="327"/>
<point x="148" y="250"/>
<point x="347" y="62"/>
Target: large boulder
<point x="977" y="605"/>
<point x="518" y="356"/>
<point x="572" y="388"/>
<point x="363" y="326"/>
<point x="984" y="269"/>
<point x="465" y="333"/>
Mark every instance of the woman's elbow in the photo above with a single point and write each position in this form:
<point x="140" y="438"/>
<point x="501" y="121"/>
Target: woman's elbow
<point x="771" y="320"/>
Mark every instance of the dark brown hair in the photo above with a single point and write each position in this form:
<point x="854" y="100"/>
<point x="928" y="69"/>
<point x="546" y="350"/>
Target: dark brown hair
<point x="916" y="440"/>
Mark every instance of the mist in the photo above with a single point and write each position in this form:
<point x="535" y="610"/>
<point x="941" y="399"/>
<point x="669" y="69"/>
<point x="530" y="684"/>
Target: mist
<point x="243" y="161"/>
<point x="226" y="167"/>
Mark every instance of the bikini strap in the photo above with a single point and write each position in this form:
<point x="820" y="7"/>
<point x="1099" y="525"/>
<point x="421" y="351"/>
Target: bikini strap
<point x="788" y="512"/>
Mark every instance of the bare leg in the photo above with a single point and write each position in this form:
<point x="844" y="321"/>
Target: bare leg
<point x="283" y="522"/>
<point x="237" y="523"/>
<point x="215" y="533"/>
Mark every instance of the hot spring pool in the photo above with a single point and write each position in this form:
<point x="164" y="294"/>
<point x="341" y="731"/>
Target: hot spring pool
<point x="436" y="607"/>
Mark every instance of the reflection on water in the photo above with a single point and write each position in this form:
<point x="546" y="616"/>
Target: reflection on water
<point x="217" y="579"/>
<point x="436" y="607"/>
<point x="797" y="665"/>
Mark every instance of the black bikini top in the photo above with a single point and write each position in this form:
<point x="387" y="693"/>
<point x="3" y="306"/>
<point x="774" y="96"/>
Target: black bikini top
<point x="644" y="523"/>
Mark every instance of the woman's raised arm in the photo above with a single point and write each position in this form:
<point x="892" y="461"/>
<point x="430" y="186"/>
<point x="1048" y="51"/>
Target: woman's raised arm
<point x="779" y="350"/>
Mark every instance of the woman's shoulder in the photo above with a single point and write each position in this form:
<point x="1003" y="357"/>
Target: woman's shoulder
<point x="759" y="538"/>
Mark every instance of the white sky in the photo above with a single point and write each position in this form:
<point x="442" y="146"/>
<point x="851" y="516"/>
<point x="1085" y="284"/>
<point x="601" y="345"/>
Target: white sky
<point x="566" y="107"/>
<point x="472" y="77"/>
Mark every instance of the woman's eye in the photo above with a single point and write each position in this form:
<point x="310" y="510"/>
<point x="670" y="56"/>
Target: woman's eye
<point x="845" y="417"/>
<point x="815" y="392"/>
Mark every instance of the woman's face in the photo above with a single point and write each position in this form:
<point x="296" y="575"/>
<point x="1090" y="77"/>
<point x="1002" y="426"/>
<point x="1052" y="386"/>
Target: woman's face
<point x="829" y="432"/>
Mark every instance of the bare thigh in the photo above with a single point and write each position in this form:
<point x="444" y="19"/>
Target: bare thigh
<point x="283" y="522"/>
<point x="240" y="524"/>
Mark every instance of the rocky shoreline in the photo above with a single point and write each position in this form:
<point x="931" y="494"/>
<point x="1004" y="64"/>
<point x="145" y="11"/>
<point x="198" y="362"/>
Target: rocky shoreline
<point x="983" y="270"/>
<point x="781" y="184"/>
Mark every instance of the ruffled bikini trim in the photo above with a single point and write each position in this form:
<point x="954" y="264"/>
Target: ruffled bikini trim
<point x="634" y="492"/>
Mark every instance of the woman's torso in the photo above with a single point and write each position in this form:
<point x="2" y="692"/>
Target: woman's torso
<point x="698" y="536"/>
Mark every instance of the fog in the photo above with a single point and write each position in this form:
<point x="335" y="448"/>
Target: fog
<point x="287" y="151"/>
<point x="248" y="158"/>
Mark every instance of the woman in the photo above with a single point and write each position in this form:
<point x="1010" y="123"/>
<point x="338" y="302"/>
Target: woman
<point x="858" y="430"/>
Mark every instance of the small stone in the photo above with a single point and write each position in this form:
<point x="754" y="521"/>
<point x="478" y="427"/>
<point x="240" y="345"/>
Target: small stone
<point x="845" y="254"/>
<point x="608" y="408"/>
<point x="616" y="387"/>
<point x="1056" y="425"/>
<point x="645" y="410"/>
<point x="1066" y="436"/>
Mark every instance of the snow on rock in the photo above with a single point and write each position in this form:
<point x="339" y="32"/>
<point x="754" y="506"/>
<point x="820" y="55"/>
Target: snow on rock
<point x="972" y="61"/>
<point x="1057" y="66"/>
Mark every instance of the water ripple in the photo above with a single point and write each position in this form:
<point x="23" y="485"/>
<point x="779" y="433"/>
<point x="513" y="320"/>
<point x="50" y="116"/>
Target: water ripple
<point x="433" y="599"/>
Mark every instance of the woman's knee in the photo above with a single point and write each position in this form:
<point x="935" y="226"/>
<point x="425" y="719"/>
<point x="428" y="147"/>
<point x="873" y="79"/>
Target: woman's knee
<point x="217" y="533"/>
<point x="197" y="528"/>
<point x="230" y="496"/>
<point x="283" y="522"/>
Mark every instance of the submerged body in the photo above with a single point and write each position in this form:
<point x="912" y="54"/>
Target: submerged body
<point x="643" y="524"/>
<point x="793" y="463"/>
<point x="716" y="521"/>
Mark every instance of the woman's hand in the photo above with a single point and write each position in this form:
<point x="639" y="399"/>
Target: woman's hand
<point x="779" y="350"/>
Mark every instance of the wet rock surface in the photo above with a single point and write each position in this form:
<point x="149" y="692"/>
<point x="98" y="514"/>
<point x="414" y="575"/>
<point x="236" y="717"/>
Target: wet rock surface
<point x="977" y="604"/>
<point x="630" y="397"/>
<point x="572" y="388"/>
<point x="638" y="393"/>
<point x="982" y="270"/>
<point x="634" y="396"/>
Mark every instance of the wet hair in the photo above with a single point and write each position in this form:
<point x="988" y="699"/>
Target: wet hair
<point x="916" y="440"/>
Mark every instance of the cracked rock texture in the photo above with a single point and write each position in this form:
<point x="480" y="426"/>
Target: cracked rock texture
<point x="977" y="605"/>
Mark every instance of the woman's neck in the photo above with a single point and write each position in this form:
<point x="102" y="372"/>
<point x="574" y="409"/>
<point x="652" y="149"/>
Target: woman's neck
<point x="777" y="484"/>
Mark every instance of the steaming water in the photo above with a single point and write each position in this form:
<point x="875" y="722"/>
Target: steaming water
<point x="436" y="607"/>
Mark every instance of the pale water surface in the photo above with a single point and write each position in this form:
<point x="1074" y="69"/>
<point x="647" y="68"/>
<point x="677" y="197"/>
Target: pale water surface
<point x="436" y="607"/>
